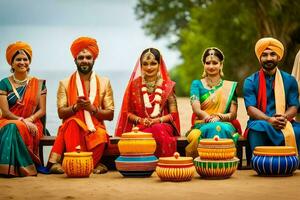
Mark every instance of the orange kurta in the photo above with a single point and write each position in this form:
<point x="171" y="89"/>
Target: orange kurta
<point x="74" y="131"/>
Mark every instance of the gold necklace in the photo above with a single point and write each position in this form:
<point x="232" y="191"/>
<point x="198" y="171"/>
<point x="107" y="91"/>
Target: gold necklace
<point x="20" y="82"/>
<point x="211" y="83"/>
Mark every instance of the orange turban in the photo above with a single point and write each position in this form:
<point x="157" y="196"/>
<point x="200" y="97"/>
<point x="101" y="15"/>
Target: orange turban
<point x="14" y="47"/>
<point x="87" y="43"/>
<point x="269" y="43"/>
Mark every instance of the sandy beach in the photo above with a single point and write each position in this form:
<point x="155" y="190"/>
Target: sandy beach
<point x="244" y="184"/>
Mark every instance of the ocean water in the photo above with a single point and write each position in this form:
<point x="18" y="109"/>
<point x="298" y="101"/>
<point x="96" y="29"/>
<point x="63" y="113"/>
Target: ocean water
<point x="118" y="79"/>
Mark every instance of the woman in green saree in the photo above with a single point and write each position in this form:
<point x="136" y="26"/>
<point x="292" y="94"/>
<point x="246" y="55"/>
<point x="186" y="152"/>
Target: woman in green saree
<point x="23" y="104"/>
<point x="214" y="103"/>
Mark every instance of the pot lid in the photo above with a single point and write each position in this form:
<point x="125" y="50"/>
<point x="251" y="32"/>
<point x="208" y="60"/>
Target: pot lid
<point x="216" y="141"/>
<point x="78" y="153"/>
<point x="274" y="150"/>
<point x="135" y="133"/>
<point x="175" y="160"/>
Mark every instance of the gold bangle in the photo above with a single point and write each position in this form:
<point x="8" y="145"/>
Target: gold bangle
<point x="31" y="119"/>
<point x="137" y="120"/>
<point x="161" y="120"/>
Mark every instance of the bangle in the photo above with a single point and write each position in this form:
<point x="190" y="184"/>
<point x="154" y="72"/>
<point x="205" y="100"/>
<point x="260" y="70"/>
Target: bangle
<point x="161" y="120"/>
<point x="31" y="119"/>
<point x="94" y="112"/>
<point x="137" y="120"/>
<point x="74" y="108"/>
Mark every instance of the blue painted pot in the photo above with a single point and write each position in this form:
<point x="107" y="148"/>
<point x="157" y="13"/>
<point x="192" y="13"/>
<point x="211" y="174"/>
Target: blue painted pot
<point x="275" y="160"/>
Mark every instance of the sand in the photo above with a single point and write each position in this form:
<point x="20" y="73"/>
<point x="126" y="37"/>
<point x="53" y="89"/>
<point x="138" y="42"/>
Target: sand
<point x="244" y="184"/>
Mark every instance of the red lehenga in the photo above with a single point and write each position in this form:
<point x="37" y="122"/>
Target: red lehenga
<point x="164" y="133"/>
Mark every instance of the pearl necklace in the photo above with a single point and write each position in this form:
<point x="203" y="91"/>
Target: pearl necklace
<point x="20" y="82"/>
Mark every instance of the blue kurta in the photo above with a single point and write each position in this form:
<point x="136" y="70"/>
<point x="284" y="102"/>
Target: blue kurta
<point x="261" y="132"/>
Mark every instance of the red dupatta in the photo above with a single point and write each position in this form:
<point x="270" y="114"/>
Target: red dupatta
<point x="133" y="100"/>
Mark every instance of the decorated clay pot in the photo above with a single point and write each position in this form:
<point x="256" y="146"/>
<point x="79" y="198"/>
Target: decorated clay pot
<point x="175" y="168"/>
<point x="216" y="169"/>
<point x="136" y="166"/>
<point x="137" y="143"/>
<point x="136" y="149"/>
<point x="216" y="149"/>
<point x="275" y="160"/>
<point x="78" y="164"/>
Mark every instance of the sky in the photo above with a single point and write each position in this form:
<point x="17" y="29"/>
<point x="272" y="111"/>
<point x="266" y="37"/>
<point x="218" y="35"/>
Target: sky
<point x="50" y="26"/>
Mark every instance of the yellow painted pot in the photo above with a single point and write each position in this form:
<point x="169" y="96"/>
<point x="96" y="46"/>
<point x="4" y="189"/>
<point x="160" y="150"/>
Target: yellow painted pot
<point x="175" y="168"/>
<point x="216" y="149"/>
<point x="137" y="143"/>
<point x="78" y="164"/>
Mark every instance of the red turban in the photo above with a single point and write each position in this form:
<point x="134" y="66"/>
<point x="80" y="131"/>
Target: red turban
<point x="87" y="43"/>
<point x="14" y="47"/>
<point x="269" y="43"/>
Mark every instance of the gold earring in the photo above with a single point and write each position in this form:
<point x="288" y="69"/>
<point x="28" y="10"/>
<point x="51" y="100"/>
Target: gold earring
<point x="221" y="72"/>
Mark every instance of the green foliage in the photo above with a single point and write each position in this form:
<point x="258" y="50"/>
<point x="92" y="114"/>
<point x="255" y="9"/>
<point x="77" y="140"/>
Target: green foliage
<point x="233" y="26"/>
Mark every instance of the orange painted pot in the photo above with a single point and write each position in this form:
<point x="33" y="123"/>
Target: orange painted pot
<point x="175" y="168"/>
<point x="78" y="164"/>
<point x="137" y="143"/>
<point x="220" y="149"/>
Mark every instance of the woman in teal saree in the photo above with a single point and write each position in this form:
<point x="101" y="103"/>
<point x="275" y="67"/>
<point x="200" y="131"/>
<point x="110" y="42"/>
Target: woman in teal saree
<point x="23" y="104"/>
<point x="214" y="103"/>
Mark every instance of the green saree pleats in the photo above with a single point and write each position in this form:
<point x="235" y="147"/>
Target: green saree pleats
<point x="14" y="157"/>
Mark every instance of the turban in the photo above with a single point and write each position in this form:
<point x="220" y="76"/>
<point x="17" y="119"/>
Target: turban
<point x="87" y="43"/>
<point x="269" y="43"/>
<point x="14" y="47"/>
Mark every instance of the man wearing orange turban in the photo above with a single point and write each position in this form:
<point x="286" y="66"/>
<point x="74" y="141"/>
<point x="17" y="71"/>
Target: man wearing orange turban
<point x="84" y="101"/>
<point x="271" y="99"/>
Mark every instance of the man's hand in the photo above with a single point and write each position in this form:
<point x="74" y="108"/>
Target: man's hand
<point x="278" y="121"/>
<point x="85" y="104"/>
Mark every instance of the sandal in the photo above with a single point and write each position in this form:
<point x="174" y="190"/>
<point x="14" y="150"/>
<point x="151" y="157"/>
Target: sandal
<point x="100" y="169"/>
<point x="56" y="169"/>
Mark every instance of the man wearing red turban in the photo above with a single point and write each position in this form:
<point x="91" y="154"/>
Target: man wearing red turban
<point x="84" y="101"/>
<point x="271" y="99"/>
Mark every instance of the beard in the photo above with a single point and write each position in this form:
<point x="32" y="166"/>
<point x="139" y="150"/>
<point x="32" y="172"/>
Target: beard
<point x="85" y="68"/>
<point x="269" y="65"/>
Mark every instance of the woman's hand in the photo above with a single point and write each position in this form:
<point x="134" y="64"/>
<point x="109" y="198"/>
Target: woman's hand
<point x="212" y="118"/>
<point x="146" y="122"/>
<point x="31" y="126"/>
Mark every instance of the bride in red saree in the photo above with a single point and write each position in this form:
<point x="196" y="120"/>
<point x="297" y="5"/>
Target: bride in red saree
<point x="150" y="103"/>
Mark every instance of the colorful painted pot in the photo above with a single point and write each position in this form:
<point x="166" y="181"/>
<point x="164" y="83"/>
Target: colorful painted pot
<point x="175" y="168"/>
<point x="136" y="166"/>
<point x="275" y="160"/>
<point x="137" y="143"/>
<point x="216" y="149"/>
<point x="137" y="159"/>
<point x="78" y="164"/>
<point x="216" y="169"/>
